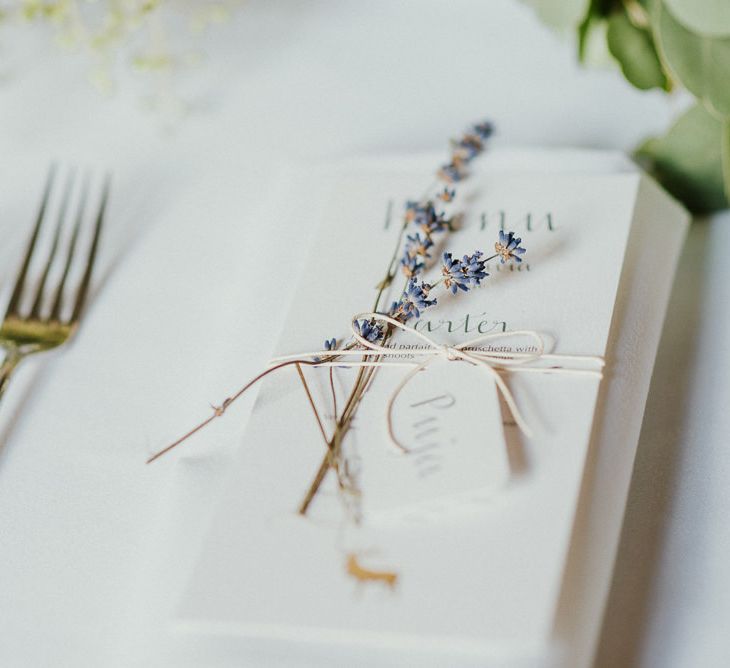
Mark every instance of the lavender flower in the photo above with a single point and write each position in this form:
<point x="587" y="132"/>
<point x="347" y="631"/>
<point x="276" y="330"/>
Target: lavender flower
<point x="436" y="222"/>
<point x="454" y="278"/>
<point x="369" y="330"/>
<point x="508" y="247"/>
<point x="410" y="264"/>
<point x="416" y="212"/>
<point x="419" y="213"/>
<point x="484" y="130"/>
<point x="413" y="300"/>
<point x="425" y="217"/>
<point x="416" y="245"/>
<point x="474" y="267"/>
<point x="463" y="274"/>
<point x="329" y="344"/>
<point x="467" y="148"/>
<point x="451" y="173"/>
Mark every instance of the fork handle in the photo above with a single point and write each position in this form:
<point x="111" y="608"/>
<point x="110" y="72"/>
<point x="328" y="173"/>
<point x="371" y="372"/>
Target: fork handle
<point x="12" y="359"/>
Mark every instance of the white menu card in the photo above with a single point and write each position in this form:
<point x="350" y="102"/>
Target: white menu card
<point x="478" y="526"/>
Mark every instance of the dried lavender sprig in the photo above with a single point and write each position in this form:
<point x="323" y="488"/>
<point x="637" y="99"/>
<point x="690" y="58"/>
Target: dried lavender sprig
<point x="418" y="297"/>
<point x="429" y="222"/>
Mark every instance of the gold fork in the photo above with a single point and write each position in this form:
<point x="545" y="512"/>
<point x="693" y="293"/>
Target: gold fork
<point x="46" y="323"/>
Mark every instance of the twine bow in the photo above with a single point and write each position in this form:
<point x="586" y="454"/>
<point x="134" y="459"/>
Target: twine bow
<point x="491" y="361"/>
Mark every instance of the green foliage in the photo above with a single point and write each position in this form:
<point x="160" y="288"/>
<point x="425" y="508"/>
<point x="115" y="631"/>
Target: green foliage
<point x="704" y="17"/>
<point x="688" y="159"/>
<point x="700" y="62"/>
<point x="595" y="16"/>
<point x="634" y="49"/>
<point x="561" y="15"/>
<point x="657" y="44"/>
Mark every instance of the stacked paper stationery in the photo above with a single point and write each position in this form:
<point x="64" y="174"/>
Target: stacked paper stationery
<point x="502" y="544"/>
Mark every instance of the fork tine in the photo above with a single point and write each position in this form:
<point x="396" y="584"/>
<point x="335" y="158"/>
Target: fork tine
<point x="86" y="280"/>
<point x="38" y="301"/>
<point x="58" y="298"/>
<point x="20" y="282"/>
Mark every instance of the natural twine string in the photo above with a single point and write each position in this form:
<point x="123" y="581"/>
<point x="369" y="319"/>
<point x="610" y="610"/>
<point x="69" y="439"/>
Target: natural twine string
<point x="490" y="361"/>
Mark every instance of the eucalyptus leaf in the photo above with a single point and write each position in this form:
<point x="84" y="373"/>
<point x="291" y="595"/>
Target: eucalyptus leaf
<point x="561" y="15"/>
<point x="705" y="17"/>
<point x="688" y="160"/>
<point x="634" y="49"/>
<point x="700" y="62"/>
<point x="596" y="13"/>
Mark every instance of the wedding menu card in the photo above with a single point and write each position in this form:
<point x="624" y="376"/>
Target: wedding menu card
<point x="479" y="525"/>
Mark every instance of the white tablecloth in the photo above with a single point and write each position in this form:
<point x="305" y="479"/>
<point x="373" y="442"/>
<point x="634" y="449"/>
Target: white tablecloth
<point x="195" y="306"/>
